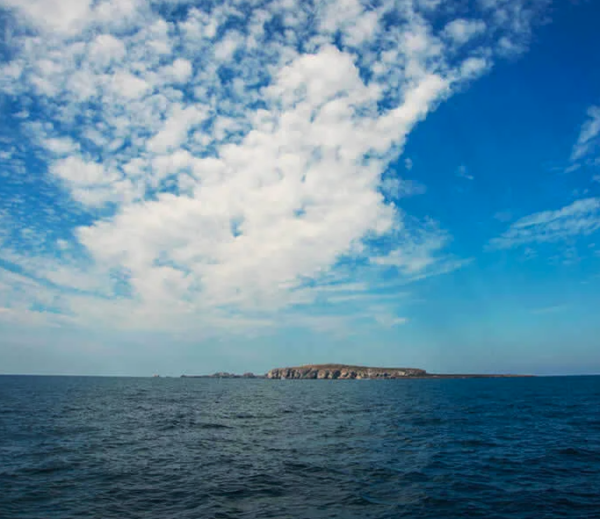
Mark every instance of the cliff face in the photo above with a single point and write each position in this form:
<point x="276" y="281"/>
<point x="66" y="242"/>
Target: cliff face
<point x="342" y="371"/>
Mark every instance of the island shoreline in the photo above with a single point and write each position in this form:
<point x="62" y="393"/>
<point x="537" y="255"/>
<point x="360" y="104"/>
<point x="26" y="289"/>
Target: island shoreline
<point x="352" y="372"/>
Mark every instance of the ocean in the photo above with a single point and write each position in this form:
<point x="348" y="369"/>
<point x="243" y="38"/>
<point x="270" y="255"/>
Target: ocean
<point x="78" y="447"/>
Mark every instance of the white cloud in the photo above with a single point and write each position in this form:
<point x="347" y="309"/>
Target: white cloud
<point x="473" y="67"/>
<point x="400" y="188"/>
<point x="588" y="135"/>
<point x="225" y="49"/>
<point x="68" y="18"/>
<point x="61" y="146"/>
<point x="515" y="19"/>
<point x="179" y="71"/>
<point x="128" y="85"/>
<point x="586" y="150"/>
<point x="77" y="171"/>
<point x="92" y="184"/>
<point x="176" y="127"/>
<point x="580" y="218"/>
<point x="460" y="31"/>
<point x="419" y="254"/>
<point x="219" y="188"/>
<point x="56" y="15"/>
<point x="105" y="50"/>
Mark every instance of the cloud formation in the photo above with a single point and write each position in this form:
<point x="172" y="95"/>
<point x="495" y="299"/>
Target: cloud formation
<point x="582" y="217"/>
<point x="579" y="218"/>
<point x="588" y="140"/>
<point x="210" y="164"/>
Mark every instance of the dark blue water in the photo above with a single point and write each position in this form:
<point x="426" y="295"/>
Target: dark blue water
<point x="198" y="448"/>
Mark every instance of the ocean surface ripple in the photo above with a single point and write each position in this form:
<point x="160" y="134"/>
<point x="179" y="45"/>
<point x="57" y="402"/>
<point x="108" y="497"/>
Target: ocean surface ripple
<point x="75" y="447"/>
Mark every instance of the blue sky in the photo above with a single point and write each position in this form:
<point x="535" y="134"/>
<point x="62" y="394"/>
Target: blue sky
<point x="193" y="187"/>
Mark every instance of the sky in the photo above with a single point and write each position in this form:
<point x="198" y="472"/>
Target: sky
<point x="190" y="187"/>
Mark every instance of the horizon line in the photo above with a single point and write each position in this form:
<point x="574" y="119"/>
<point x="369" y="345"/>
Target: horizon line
<point x="183" y="375"/>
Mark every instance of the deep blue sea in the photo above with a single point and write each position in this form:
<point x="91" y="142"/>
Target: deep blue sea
<point x="75" y="447"/>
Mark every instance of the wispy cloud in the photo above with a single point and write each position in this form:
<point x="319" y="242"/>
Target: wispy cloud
<point x="580" y="218"/>
<point x="401" y="188"/>
<point x="588" y="135"/>
<point x="462" y="172"/>
<point x="586" y="150"/>
<point x="419" y="253"/>
<point x="204" y="163"/>
<point x="460" y="31"/>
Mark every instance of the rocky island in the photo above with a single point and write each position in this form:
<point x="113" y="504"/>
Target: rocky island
<point x="342" y="371"/>
<point x="345" y="372"/>
<point x="348" y="372"/>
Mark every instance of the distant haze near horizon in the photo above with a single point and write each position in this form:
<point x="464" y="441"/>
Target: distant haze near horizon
<point x="190" y="188"/>
<point x="261" y="371"/>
